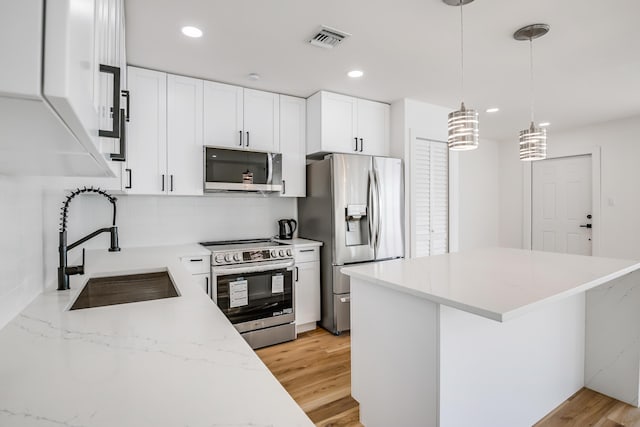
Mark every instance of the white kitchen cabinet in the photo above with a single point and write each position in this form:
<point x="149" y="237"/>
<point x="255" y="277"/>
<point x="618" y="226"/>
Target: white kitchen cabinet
<point x="184" y="136"/>
<point x="307" y="287"/>
<point x="49" y="78"/>
<point x="146" y="168"/>
<point x="164" y="148"/>
<point x="199" y="268"/>
<point x="241" y="118"/>
<point x="293" y="146"/>
<point x="344" y="124"/>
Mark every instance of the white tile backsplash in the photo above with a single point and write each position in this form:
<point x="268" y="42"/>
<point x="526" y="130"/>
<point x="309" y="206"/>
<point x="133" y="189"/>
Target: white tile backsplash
<point x="30" y="215"/>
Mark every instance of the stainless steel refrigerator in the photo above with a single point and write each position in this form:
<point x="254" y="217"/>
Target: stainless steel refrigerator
<point x="355" y="205"/>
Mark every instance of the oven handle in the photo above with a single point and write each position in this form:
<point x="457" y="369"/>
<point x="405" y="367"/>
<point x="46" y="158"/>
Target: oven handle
<point x="219" y="271"/>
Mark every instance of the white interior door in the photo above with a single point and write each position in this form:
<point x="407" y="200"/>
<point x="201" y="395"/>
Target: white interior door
<point x="561" y="205"/>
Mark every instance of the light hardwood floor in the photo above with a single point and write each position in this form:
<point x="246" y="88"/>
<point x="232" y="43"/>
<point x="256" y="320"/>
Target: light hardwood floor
<point x="316" y="371"/>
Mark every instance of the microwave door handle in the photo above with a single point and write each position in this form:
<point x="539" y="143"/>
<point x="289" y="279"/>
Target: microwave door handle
<point x="269" y="168"/>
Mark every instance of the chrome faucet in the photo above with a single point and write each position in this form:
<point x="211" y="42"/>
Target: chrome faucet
<point x="65" y="271"/>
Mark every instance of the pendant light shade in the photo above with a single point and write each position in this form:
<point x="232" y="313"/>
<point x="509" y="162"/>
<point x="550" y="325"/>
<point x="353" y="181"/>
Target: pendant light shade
<point x="462" y="126"/>
<point x="533" y="143"/>
<point x="463" y="129"/>
<point x="533" y="140"/>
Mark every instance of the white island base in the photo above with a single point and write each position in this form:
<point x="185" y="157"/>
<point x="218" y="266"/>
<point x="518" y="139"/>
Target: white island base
<point x="506" y="362"/>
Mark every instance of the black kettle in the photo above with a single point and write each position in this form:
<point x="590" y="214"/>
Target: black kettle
<point x="286" y="227"/>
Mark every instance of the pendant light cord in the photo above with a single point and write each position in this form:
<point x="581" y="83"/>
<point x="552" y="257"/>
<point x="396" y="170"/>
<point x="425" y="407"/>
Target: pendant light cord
<point x="461" y="52"/>
<point x="532" y="94"/>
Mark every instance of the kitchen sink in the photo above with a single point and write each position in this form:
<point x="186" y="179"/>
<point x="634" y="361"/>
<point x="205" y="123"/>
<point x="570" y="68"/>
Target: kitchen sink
<point x="101" y="291"/>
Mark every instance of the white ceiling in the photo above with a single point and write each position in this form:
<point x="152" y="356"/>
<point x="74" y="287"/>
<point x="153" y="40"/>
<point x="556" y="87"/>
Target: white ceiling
<point x="587" y="68"/>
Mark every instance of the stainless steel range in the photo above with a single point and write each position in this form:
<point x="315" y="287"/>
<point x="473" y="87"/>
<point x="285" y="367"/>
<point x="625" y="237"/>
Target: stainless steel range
<point x="253" y="286"/>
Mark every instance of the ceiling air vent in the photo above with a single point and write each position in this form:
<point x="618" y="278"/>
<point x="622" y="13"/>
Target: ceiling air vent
<point x="328" y="37"/>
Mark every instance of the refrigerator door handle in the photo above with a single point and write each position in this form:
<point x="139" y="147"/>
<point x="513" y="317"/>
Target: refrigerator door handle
<point x="377" y="208"/>
<point x="370" y="210"/>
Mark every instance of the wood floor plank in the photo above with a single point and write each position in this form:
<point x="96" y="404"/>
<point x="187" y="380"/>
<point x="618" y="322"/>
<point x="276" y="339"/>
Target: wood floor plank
<point x="316" y="371"/>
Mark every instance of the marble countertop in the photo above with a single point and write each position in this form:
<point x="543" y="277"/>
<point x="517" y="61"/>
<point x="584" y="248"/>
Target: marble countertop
<point x="170" y="362"/>
<point x="497" y="283"/>
<point x="299" y="241"/>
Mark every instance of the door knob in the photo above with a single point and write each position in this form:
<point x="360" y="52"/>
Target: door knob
<point x="585" y="225"/>
<point x="589" y="216"/>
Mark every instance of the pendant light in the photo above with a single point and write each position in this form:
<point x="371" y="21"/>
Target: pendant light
<point x="462" y="124"/>
<point x="533" y="140"/>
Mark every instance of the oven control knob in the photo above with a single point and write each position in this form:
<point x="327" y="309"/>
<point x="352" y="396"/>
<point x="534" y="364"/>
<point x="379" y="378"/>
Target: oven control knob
<point x="237" y="257"/>
<point x="281" y="252"/>
<point x="219" y="258"/>
<point x="289" y="253"/>
<point x="228" y="257"/>
<point x="274" y="254"/>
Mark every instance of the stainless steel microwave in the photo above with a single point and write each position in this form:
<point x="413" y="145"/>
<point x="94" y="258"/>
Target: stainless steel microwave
<point x="239" y="170"/>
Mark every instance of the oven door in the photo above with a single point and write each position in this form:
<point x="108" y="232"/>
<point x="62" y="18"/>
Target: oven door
<point x="255" y="299"/>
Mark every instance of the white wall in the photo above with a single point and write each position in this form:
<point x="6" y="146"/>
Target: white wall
<point x="479" y="203"/>
<point x="620" y="199"/>
<point x="21" y="245"/>
<point x="474" y="177"/>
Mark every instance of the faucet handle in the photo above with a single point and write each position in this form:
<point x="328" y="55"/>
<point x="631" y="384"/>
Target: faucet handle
<point x="76" y="269"/>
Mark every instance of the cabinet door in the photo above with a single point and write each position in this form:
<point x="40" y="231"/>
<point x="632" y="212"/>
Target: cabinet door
<point x="147" y="133"/>
<point x="292" y="146"/>
<point x="307" y="296"/>
<point x="223" y="115"/>
<point x="261" y="120"/>
<point x="184" y="135"/>
<point x="204" y="282"/>
<point x="373" y="127"/>
<point x="338" y="123"/>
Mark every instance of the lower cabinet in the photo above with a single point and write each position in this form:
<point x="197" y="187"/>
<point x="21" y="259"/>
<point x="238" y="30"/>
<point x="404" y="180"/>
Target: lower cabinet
<point x="307" y="287"/>
<point x="199" y="267"/>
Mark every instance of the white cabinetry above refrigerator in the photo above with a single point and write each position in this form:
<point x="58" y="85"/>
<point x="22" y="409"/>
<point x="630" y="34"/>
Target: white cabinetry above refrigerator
<point x="344" y="124"/>
<point x="49" y="90"/>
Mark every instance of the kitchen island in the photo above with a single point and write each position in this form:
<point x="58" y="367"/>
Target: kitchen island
<point x="168" y="362"/>
<point x="491" y="337"/>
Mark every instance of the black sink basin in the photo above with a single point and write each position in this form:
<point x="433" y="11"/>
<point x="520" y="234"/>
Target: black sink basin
<point x="101" y="291"/>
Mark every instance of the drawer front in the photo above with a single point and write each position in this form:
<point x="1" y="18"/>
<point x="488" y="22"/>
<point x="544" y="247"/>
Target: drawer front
<point x="307" y="254"/>
<point x="197" y="264"/>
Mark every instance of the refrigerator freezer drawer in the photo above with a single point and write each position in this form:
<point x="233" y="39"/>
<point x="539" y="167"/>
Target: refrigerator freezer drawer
<point x="342" y="312"/>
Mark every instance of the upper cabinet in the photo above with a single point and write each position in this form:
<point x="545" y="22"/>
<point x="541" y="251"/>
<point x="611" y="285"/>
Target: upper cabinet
<point x="293" y="146"/>
<point x="344" y="124"/>
<point x="49" y="90"/>
<point x="164" y="147"/>
<point x="240" y="118"/>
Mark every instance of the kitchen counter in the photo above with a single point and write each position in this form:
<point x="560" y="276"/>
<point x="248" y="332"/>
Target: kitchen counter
<point x="168" y="362"/>
<point x="299" y="241"/>
<point x="492" y="336"/>
<point x="496" y="283"/>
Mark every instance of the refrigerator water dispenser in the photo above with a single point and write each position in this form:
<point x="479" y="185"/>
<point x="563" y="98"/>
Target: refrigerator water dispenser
<point x="356" y="230"/>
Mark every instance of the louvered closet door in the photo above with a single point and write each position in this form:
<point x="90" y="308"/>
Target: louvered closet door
<point x="429" y="201"/>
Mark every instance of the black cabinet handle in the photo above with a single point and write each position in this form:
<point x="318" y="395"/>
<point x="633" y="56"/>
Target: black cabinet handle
<point x="284" y="186"/>
<point x="114" y="132"/>
<point x="307" y="250"/>
<point x="247" y="138"/>
<point x="297" y="274"/>
<point x="127" y="96"/>
<point x="356" y="138"/>
<point x="122" y="155"/>
<point x="171" y="185"/>
<point x="361" y="145"/>
<point x="586" y="225"/>
<point x="240" y="139"/>
<point x="196" y="260"/>
<point x="130" y="178"/>
<point x="207" y="280"/>
<point x="162" y="182"/>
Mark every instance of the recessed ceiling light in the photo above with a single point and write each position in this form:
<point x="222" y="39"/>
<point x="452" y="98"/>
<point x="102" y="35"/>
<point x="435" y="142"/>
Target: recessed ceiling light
<point x="492" y="110"/>
<point x="192" y="32"/>
<point x="354" y="74"/>
<point x="544" y="124"/>
<point x="254" y="76"/>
